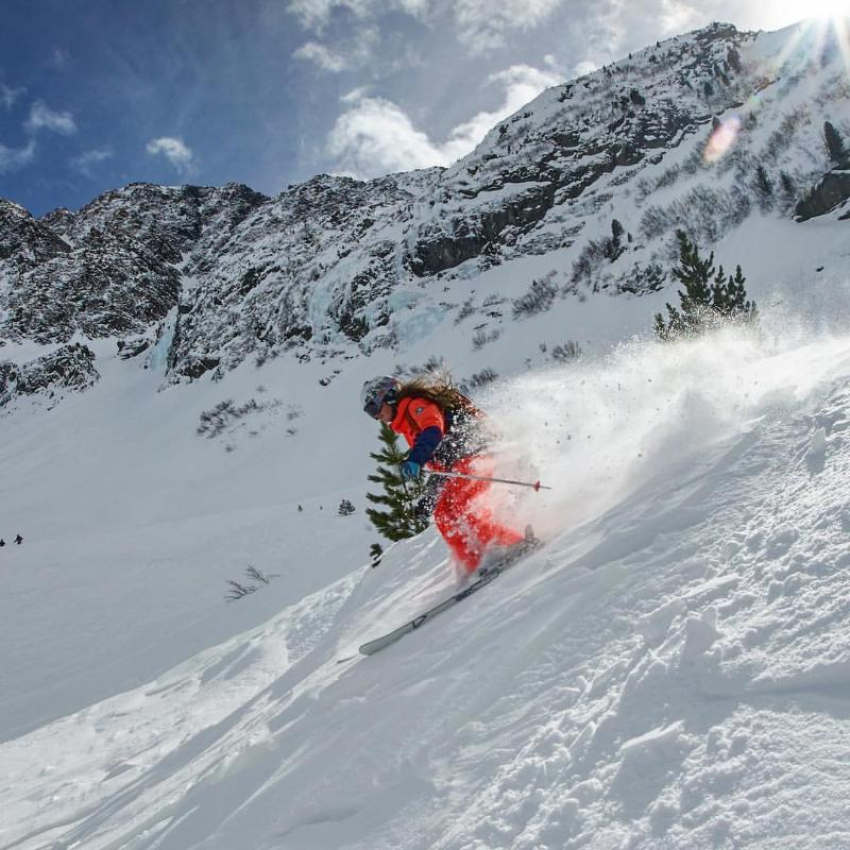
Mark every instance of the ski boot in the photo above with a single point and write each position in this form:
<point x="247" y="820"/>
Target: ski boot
<point x="501" y="556"/>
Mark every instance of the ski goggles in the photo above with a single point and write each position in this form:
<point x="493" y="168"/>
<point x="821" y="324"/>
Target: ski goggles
<point x="373" y="407"/>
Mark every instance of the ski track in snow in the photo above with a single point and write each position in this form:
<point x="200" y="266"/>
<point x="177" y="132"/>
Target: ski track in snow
<point x="646" y="680"/>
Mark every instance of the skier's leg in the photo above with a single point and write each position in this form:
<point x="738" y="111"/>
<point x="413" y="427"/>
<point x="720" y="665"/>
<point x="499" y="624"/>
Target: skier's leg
<point x="464" y="520"/>
<point x="478" y="515"/>
<point x="450" y="517"/>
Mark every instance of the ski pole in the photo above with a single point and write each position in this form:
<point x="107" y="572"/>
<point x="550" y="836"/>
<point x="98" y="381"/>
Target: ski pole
<point x="535" y="486"/>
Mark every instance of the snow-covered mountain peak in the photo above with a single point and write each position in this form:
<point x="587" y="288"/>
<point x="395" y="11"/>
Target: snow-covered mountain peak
<point x="582" y="189"/>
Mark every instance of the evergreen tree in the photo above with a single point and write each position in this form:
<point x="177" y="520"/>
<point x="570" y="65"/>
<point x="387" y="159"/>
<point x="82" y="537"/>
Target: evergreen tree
<point x="733" y="59"/>
<point x="763" y="188"/>
<point x="789" y="188"/>
<point x="346" y="508"/>
<point x="709" y="295"/>
<point x="613" y="247"/>
<point x="399" y="519"/>
<point x="835" y="145"/>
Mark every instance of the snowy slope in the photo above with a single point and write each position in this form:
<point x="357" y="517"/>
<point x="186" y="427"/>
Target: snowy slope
<point x="670" y="671"/>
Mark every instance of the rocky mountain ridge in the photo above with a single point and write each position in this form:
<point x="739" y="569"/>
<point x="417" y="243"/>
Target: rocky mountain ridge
<point x="595" y="174"/>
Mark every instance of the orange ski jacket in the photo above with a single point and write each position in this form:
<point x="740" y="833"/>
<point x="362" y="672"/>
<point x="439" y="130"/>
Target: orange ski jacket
<point x="423" y="424"/>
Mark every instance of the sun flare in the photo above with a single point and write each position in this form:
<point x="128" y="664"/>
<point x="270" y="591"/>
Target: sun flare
<point x="826" y="9"/>
<point x="786" y="12"/>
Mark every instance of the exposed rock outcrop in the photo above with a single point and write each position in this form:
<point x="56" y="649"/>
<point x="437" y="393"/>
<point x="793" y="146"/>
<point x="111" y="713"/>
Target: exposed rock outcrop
<point x="68" y="369"/>
<point x="832" y="191"/>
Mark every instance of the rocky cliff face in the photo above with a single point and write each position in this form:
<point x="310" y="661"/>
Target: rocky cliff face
<point x="112" y="269"/>
<point x="697" y="132"/>
<point x="24" y="241"/>
<point x="307" y="269"/>
<point x="68" y="369"/>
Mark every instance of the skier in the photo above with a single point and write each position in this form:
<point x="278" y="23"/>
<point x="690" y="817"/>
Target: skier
<point x="2" y="542"/>
<point x="19" y="540"/>
<point x="443" y="429"/>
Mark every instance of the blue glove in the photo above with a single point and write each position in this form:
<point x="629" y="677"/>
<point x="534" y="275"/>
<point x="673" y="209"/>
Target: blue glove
<point x="410" y="470"/>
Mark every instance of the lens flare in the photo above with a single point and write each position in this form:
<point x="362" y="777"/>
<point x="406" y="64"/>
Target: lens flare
<point x="721" y="140"/>
<point x="826" y="30"/>
<point x="826" y="10"/>
<point x="813" y="40"/>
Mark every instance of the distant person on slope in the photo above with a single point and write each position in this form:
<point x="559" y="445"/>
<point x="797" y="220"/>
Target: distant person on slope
<point x="443" y="429"/>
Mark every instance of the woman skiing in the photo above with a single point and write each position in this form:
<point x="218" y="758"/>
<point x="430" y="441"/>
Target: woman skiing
<point x="443" y="429"/>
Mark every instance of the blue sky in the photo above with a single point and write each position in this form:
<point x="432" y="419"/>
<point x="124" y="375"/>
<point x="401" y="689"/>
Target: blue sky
<point x="95" y="94"/>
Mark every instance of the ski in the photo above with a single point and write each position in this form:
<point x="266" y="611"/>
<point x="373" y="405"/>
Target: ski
<point x="483" y="579"/>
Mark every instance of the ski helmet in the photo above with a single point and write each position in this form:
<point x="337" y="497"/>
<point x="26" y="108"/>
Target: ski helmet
<point x="377" y="392"/>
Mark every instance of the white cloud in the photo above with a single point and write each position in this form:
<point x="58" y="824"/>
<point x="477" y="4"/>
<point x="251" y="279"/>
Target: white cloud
<point x="484" y="24"/>
<point x="355" y="51"/>
<point x="678" y="17"/>
<point x="13" y="160"/>
<point x="584" y="68"/>
<point x="326" y="59"/>
<point x="175" y="151"/>
<point x="316" y="14"/>
<point x="59" y="58"/>
<point x="480" y="24"/>
<point x="9" y="95"/>
<point x="85" y="163"/>
<point x="42" y="117"/>
<point x="355" y="95"/>
<point x="375" y="136"/>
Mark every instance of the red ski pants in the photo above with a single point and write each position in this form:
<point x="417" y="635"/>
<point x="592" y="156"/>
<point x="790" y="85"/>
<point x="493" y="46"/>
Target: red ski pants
<point x="467" y="525"/>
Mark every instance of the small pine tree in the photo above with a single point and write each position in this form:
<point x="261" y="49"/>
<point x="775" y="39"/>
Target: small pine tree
<point x="346" y="508"/>
<point x="733" y="59"/>
<point x="709" y="295"/>
<point x="835" y="146"/>
<point x="789" y="188"/>
<point x="399" y="520"/>
<point x="763" y="186"/>
<point x="614" y="245"/>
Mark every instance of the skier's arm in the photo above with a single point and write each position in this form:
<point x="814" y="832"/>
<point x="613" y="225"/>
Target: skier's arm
<point x="425" y="445"/>
<point x="430" y="419"/>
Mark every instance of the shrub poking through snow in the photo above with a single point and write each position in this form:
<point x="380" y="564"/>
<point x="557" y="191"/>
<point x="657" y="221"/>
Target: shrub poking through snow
<point x="238" y="589"/>
<point x="226" y="414"/>
<point x="215" y="421"/>
<point x="597" y="250"/>
<point x="538" y="299"/>
<point x="482" y="337"/>
<point x="566" y="352"/>
<point x="709" y="296"/>
<point x="641" y="279"/>
<point x="479" y="379"/>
